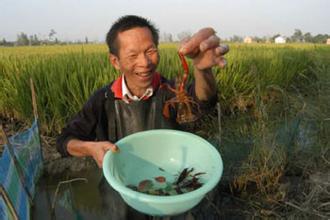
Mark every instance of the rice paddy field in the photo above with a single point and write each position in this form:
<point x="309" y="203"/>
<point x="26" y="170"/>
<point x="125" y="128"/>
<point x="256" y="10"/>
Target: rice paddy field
<point x="271" y="125"/>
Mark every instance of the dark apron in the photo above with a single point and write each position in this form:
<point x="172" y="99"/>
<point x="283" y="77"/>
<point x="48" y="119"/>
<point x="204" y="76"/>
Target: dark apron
<point x="125" y="119"/>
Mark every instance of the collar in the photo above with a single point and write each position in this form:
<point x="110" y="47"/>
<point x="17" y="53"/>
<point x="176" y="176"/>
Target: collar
<point x="120" y="90"/>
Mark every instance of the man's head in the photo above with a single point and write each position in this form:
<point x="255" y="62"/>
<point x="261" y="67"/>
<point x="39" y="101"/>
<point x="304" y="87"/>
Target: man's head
<point x="133" y="43"/>
<point x="126" y="23"/>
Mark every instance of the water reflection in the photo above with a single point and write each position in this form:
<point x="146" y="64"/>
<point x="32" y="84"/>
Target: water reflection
<point x="76" y="200"/>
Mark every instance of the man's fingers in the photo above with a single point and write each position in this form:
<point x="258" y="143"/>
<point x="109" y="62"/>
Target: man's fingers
<point x="106" y="146"/>
<point x="196" y="40"/>
<point x="99" y="149"/>
<point x="221" y="50"/>
<point x="99" y="162"/>
<point x="112" y="147"/>
<point x="211" y="42"/>
<point x="185" y="40"/>
<point x="221" y="61"/>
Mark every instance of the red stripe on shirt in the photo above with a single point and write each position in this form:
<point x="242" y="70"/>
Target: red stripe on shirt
<point x="116" y="87"/>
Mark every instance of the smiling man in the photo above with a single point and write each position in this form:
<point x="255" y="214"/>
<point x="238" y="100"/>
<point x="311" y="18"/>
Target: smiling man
<point x="134" y="102"/>
<point x="137" y="58"/>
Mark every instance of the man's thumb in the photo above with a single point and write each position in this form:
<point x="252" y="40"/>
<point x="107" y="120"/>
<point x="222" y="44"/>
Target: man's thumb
<point x="111" y="147"/>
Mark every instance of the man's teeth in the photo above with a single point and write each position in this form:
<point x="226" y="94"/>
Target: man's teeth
<point x="144" y="74"/>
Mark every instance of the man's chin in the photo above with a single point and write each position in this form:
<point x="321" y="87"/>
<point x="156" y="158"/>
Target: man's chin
<point x="144" y="86"/>
<point x="144" y="80"/>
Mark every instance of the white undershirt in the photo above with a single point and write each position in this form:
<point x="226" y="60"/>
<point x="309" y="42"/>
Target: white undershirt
<point x="127" y="95"/>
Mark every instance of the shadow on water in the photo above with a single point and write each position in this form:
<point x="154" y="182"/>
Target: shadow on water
<point x="76" y="200"/>
<point x="93" y="199"/>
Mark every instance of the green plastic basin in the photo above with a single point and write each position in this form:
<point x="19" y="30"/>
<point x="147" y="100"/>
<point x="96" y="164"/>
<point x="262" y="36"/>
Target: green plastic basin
<point x="162" y="152"/>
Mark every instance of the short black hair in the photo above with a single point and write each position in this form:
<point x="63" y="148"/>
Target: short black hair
<point x="125" y="23"/>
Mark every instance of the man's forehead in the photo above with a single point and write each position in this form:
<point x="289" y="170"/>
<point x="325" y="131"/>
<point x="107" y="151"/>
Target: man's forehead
<point x="134" y="32"/>
<point x="133" y="39"/>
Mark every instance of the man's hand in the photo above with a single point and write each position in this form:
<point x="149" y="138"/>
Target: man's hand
<point x="205" y="50"/>
<point x="96" y="149"/>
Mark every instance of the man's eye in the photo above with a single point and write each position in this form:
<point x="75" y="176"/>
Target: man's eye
<point x="151" y="51"/>
<point x="132" y="56"/>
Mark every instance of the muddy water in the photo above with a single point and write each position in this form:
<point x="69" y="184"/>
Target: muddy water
<point x="75" y="200"/>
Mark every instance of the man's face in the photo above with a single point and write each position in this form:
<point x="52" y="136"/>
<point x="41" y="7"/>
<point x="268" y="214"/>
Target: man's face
<point x="137" y="58"/>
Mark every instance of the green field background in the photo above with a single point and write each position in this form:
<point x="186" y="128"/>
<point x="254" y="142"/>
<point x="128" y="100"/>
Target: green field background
<point x="65" y="76"/>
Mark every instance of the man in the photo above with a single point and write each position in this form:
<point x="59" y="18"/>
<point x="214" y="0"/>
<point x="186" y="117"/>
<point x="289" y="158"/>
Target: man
<point x="135" y="101"/>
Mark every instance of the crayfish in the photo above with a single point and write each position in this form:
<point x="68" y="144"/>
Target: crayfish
<point x="185" y="182"/>
<point x="182" y="102"/>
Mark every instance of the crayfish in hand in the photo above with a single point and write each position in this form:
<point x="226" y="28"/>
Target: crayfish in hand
<point x="182" y="102"/>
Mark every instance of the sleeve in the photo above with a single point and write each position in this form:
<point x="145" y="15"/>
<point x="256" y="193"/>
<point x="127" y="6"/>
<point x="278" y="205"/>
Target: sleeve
<point x="205" y="106"/>
<point x="82" y="125"/>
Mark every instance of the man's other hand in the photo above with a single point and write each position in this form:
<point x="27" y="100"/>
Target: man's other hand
<point x="205" y="50"/>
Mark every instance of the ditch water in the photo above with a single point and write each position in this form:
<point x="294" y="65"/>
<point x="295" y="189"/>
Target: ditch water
<point x="76" y="200"/>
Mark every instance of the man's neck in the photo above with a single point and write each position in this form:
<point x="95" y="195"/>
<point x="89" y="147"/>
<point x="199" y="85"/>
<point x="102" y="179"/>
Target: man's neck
<point x="134" y="90"/>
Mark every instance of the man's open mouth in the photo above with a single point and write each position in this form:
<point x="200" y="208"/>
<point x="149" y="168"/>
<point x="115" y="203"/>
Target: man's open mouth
<point x="144" y="74"/>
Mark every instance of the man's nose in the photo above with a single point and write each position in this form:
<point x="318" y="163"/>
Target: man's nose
<point x="144" y="60"/>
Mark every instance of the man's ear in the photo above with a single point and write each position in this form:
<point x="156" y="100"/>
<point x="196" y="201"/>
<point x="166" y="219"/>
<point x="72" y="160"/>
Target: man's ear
<point x="114" y="60"/>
